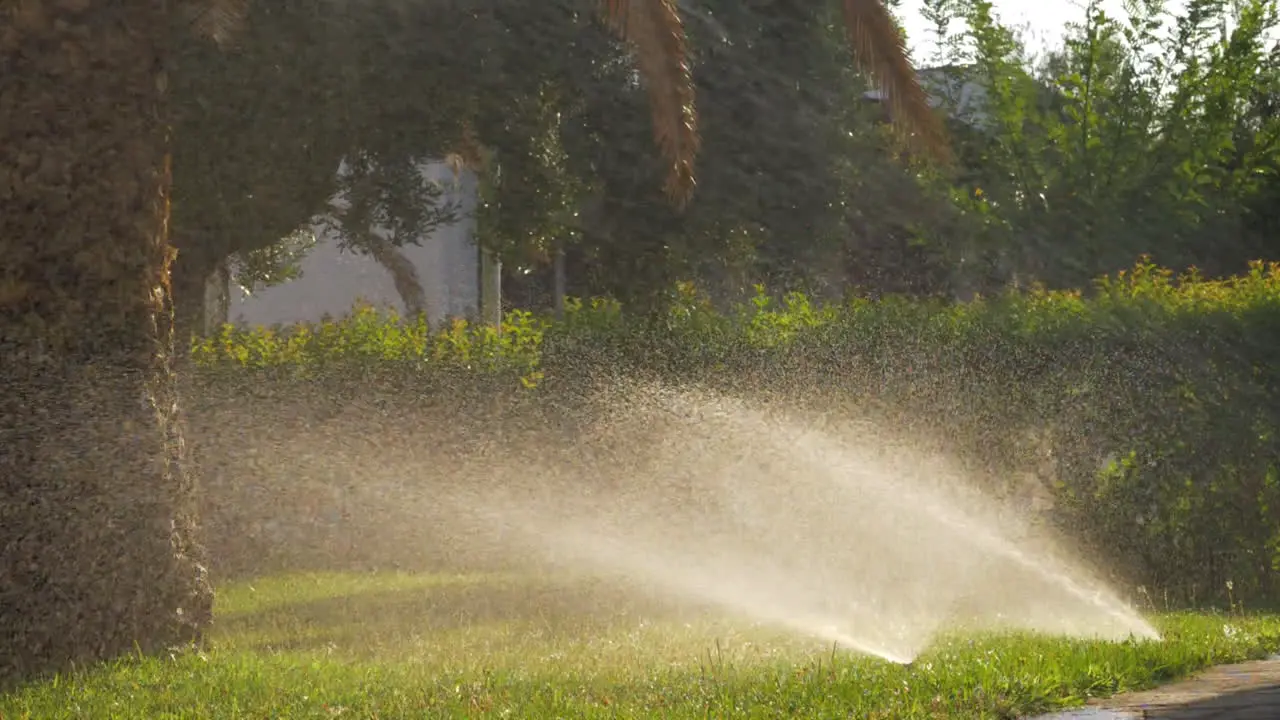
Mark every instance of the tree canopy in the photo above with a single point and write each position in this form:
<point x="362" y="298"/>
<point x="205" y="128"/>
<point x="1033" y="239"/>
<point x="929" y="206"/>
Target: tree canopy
<point x="1151" y="134"/>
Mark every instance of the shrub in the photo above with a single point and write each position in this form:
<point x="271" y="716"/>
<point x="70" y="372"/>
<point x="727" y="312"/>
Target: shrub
<point x="1155" y="395"/>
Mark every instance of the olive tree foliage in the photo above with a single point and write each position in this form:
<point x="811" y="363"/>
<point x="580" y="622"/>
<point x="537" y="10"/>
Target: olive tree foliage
<point x="567" y="108"/>
<point x="264" y="125"/>
<point x="376" y="87"/>
<point x="785" y="144"/>
<point x="1150" y="134"/>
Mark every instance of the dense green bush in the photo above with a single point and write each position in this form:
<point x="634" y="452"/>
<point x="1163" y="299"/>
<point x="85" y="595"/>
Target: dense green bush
<point x="1152" y="399"/>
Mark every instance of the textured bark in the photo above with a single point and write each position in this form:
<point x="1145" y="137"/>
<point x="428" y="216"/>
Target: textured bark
<point x="97" y="528"/>
<point x="190" y="276"/>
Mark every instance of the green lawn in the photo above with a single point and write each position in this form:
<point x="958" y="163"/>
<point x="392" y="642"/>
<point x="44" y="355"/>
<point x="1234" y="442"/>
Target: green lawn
<point x="411" y="646"/>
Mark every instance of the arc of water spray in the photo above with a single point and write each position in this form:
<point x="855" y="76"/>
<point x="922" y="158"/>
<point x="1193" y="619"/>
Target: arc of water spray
<point x="988" y="541"/>
<point x="717" y="590"/>
<point x="982" y="537"/>
<point x="684" y="570"/>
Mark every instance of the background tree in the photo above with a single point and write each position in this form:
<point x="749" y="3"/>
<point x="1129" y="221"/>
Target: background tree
<point x="1148" y="135"/>
<point x="785" y="143"/>
<point x="410" y="82"/>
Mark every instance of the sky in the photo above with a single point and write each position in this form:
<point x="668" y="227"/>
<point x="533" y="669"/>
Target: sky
<point x="1046" y="21"/>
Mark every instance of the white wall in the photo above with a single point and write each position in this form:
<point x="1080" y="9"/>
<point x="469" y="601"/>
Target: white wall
<point x="963" y="97"/>
<point x="332" y="281"/>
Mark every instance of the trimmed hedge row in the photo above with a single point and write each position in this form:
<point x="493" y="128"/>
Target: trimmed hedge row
<point x="1148" y="407"/>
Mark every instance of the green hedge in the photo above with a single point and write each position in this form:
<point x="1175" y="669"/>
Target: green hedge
<point x="1153" y="399"/>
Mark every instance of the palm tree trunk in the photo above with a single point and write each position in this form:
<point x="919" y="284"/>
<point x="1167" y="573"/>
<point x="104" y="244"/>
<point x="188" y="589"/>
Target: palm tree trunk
<point x="97" y="549"/>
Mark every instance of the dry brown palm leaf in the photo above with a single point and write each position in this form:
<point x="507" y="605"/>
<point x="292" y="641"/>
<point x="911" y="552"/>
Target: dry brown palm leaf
<point x="656" y="35"/>
<point x="218" y="20"/>
<point x="879" y="51"/>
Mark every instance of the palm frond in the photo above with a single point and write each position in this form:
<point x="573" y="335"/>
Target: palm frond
<point x="656" y="35"/>
<point x="218" y="20"/>
<point x="879" y="51"/>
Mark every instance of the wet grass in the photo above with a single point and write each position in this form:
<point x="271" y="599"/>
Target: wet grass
<point x="412" y="646"/>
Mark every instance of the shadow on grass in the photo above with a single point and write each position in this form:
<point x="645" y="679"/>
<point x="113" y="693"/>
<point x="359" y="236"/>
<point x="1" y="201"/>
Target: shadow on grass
<point x="375" y="621"/>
